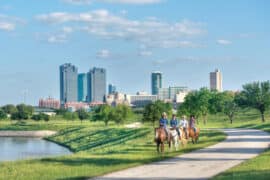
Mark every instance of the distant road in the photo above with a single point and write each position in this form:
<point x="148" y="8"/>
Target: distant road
<point x="240" y="145"/>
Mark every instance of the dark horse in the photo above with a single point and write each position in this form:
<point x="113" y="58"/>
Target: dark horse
<point x="160" y="138"/>
<point x="194" y="136"/>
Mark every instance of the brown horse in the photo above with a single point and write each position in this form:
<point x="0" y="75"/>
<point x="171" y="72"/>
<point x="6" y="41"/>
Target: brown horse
<point x="194" y="136"/>
<point x="160" y="138"/>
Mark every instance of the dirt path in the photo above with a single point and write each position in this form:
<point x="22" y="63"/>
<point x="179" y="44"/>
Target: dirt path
<point x="240" y="145"/>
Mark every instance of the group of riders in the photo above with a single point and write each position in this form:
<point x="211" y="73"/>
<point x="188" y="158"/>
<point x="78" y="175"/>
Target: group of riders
<point x="175" y="124"/>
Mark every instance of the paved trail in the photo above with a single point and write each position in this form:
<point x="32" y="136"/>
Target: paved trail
<point x="240" y="145"/>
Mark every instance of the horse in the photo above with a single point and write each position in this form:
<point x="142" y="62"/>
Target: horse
<point x="173" y="138"/>
<point x="183" y="136"/>
<point x="160" y="138"/>
<point x="194" y="136"/>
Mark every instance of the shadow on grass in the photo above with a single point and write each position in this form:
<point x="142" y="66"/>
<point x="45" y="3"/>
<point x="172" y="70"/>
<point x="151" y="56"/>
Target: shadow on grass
<point x="251" y="174"/>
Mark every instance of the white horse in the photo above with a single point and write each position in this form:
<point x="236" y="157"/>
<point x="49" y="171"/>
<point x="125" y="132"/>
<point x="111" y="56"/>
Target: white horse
<point x="174" y="139"/>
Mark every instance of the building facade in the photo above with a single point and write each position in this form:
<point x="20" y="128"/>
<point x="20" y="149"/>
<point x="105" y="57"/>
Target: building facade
<point x="96" y="85"/>
<point x="49" y="103"/>
<point x="68" y="83"/>
<point x="112" y="89"/>
<point x="216" y="81"/>
<point x="172" y="94"/>
<point x="82" y="87"/>
<point x="156" y="82"/>
<point x="140" y="100"/>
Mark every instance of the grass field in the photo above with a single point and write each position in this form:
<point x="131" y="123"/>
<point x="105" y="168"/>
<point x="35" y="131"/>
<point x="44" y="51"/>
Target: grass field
<point x="98" y="150"/>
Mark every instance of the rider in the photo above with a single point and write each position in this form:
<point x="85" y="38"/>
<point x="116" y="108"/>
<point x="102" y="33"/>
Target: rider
<point x="174" y="124"/>
<point x="184" y="124"/>
<point x="192" y="123"/>
<point x="163" y="123"/>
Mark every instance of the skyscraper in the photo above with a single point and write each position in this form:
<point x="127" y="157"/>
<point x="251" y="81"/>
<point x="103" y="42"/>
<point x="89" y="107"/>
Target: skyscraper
<point x="68" y="83"/>
<point x="96" y="88"/>
<point x="156" y="82"/>
<point x="112" y="89"/>
<point x="82" y="87"/>
<point x="216" y="80"/>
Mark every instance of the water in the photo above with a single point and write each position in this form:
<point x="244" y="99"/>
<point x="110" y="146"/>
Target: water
<point x="17" y="148"/>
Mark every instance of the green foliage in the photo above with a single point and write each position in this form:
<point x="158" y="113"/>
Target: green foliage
<point x="107" y="113"/>
<point x="23" y="112"/>
<point x="40" y="116"/>
<point x="82" y="114"/>
<point x="196" y="103"/>
<point x="218" y="100"/>
<point x="120" y="113"/>
<point x="70" y="115"/>
<point x="255" y="95"/>
<point x="152" y="112"/>
<point x="9" y="109"/>
<point x="61" y="111"/>
<point x="3" y="114"/>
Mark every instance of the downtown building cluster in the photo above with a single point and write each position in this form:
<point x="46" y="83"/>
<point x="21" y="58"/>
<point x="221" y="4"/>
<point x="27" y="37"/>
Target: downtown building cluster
<point x="79" y="90"/>
<point x="86" y="90"/>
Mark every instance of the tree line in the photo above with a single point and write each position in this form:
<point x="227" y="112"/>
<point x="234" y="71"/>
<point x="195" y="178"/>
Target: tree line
<point x="203" y="102"/>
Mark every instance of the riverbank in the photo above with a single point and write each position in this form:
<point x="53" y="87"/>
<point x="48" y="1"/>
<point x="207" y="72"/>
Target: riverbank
<point x="37" y="134"/>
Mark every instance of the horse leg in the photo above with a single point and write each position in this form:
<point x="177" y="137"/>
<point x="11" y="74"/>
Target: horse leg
<point x="162" y="147"/>
<point x="158" y="146"/>
<point x="192" y="140"/>
<point x="197" y="138"/>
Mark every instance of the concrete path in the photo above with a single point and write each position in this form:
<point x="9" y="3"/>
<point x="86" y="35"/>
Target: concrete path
<point x="240" y="145"/>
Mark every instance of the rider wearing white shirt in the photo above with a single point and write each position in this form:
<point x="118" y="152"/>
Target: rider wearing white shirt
<point x="184" y="124"/>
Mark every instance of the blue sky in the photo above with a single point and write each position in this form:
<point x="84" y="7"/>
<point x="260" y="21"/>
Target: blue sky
<point x="131" y="38"/>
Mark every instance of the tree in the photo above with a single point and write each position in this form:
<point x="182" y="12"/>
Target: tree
<point x="230" y="109"/>
<point x="152" y="112"/>
<point x="255" y="95"/>
<point x="3" y="114"/>
<point x="196" y="103"/>
<point x="120" y="113"/>
<point x="218" y="100"/>
<point x="23" y="112"/>
<point x="9" y="109"/>
<point x="82" y="114"/>
<point x="102" y="113"/>
<point x="204" y="96"/>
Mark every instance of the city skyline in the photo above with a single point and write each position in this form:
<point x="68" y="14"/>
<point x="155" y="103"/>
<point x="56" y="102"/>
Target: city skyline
<point x="184" y="40"/>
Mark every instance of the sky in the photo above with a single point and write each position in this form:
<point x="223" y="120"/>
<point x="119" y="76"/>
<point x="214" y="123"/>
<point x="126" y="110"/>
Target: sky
<point x="185" y="40"/>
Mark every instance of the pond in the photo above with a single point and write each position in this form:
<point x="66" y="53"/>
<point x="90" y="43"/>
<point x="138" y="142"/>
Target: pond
<point x="18" y="148"/>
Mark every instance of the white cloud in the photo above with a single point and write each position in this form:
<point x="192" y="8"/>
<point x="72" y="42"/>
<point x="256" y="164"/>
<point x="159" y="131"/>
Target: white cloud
<point x="7" y="26"/>
<point x="145" y="53"/>
<point x="78" y="2"/>
<point x="151" y="32"/>
<point x="8" y="23"/>
<point x="140" y="2"/>
<point x="224" y="42"/>
<point x="103" y="54"/>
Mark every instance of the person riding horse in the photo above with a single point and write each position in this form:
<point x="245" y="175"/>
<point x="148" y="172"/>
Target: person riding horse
<point x="184" y="125"/>
<point x="163" y="123"/>
<point x="192" y="123"/>
<point x="174" y="124"/>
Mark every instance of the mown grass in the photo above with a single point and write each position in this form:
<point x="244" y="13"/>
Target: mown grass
<point x="98" y="150"/>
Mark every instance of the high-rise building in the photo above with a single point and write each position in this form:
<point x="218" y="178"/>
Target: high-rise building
<point x="172" y="93"/>
<point x="82" y="87"/>
<point x="156" y="82"/>
<point x="216" y="80"/>
<point x="96" y="88"/>
<point x="68" y="83"/>
<point x="112" y="89"/>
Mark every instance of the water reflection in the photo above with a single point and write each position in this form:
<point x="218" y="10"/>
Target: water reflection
<point x="15" y="148"/>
